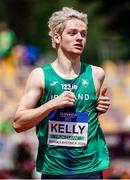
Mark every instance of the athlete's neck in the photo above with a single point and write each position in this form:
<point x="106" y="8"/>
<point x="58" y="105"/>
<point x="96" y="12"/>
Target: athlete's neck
<point x="67" y="68"/>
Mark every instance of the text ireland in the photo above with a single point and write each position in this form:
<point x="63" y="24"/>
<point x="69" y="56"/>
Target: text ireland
<point x="84" y="97"/>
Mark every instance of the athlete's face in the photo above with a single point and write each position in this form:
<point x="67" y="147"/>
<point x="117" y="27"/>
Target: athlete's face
<point x="73" y="37"/>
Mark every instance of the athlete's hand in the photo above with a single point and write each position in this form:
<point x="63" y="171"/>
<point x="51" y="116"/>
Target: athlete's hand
<point x="66" y="99"/>
<point x="103" y="102"/>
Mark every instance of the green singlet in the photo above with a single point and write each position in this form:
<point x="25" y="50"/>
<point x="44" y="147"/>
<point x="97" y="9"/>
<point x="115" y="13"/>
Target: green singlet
<point x="70" y="139"/>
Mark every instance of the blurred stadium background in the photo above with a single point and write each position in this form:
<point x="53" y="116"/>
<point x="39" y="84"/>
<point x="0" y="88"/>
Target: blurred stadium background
<point x="24" y="45"/>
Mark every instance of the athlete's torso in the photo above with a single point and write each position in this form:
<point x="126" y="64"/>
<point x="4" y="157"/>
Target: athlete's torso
<point x="70" y="139"/>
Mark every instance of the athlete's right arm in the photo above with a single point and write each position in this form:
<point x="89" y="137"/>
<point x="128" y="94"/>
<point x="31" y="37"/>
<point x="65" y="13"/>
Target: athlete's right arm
<point x="27" y="114"/>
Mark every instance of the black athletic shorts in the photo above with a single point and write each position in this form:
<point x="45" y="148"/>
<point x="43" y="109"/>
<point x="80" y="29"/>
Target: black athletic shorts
<point x="91" y="175"/>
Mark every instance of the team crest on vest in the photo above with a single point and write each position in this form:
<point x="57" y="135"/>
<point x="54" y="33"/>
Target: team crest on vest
<point x="85" y="82"/>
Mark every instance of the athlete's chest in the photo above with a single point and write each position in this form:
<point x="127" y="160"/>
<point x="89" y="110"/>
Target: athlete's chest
<point x="83" y="89"/>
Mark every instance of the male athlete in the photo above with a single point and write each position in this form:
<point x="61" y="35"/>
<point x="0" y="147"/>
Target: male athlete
<point x="61" y="100"/>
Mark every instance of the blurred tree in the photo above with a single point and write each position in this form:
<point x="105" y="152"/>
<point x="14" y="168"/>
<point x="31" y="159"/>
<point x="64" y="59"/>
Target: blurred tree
<point x="2" y="11"/>
<point x="18" y="14"/>
<point x="118" y="13"/>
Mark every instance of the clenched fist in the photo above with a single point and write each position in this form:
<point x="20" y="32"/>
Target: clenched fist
<point x="66" y="99"/>
<point x="103" y="102"/>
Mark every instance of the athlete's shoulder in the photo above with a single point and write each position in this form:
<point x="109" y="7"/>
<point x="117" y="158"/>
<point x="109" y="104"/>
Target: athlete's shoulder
<point x="98" y="69"/>
<point x="36" y="77"/>
<point x="98" y="72"/>
<point x="36" y="72"/>
<point x="39" y="71"/>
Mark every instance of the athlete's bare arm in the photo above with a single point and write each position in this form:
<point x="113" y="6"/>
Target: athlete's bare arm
<point x="27" y="115"/>
<point x="103" y="100"/>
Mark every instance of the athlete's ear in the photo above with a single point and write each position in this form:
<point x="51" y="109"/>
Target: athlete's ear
<point x="56" y="37"/>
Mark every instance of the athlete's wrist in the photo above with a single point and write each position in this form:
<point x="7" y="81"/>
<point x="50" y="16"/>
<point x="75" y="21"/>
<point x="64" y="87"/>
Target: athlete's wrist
<point x="51" y="106"/>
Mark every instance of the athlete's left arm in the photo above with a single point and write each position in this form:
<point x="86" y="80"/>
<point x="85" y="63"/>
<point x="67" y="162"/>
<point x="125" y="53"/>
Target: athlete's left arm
<point x="103" y="100"/>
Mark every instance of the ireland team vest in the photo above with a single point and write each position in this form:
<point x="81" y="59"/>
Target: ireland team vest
<point x="70" y="139"/>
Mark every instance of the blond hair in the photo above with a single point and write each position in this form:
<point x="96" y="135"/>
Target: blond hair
<point x="56" y="21"/>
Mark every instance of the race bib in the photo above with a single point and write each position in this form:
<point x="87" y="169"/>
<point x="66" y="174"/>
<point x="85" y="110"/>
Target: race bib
<point x="68" y="129"/>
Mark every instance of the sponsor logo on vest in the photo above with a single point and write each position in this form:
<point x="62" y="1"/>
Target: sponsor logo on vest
<point x="53" y="83"/>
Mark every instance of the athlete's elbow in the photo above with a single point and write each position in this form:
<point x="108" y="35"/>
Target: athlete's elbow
<point x="16" y="127"/>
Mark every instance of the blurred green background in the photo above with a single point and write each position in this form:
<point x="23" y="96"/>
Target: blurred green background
<point x="108" y="29"/>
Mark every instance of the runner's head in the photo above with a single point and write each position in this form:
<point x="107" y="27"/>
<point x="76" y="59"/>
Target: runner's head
<point x="56" y="22"/>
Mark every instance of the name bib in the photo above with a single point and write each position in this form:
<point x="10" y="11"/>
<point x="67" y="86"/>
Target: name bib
<point x="68" y="129"/>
